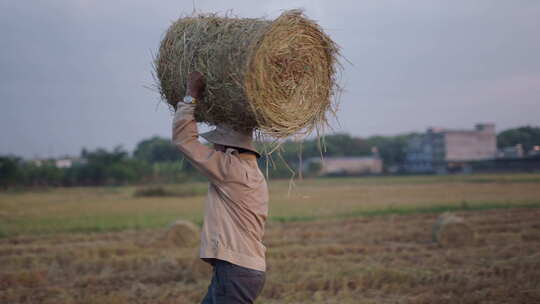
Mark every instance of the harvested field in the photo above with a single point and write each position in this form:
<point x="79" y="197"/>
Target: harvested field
<point x="387" y="259"/>
<point x="355" y="240"/>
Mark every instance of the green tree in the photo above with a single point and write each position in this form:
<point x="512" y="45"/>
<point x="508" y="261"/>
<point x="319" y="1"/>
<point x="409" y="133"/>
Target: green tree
<point x="10" y="173"/>
<point x="285" y="161"/>
<point x="45" y="174"/>
<point x="528" y="136"/>
<point x="102" y="167"/>
<point x="345" y="145"/>
<point x="392" y="149"/>
<point x="157" y="149"/>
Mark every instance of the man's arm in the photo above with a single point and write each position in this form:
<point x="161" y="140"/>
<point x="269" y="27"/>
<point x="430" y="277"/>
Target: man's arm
<point x="213" y="164"/>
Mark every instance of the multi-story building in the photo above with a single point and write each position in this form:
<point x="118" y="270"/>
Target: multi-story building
<point x="442" y="150"/>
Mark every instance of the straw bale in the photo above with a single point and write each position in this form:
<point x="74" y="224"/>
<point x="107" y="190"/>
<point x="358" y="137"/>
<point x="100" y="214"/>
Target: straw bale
<point x="277" y="77"/>
<point x="452" y="230"/>
<point x="181" y="234"/>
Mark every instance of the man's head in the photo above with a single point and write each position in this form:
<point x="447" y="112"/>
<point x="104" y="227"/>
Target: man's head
<point x="224" y="136"/>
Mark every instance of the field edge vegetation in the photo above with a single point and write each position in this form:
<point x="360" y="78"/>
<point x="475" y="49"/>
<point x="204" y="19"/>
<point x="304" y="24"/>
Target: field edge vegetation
<point x="111" y="224"/>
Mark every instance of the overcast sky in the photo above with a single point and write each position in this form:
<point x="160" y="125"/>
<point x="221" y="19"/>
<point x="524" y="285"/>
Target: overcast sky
<point x="73" y="72"/>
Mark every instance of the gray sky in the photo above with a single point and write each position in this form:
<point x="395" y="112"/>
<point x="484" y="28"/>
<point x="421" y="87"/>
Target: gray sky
<point x="73" y="71"/>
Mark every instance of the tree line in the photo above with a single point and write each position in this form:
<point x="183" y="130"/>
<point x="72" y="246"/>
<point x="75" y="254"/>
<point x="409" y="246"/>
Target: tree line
<point x="157" y="160"/>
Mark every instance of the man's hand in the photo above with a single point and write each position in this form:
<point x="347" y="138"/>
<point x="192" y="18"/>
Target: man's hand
<point x="195" y="85"/>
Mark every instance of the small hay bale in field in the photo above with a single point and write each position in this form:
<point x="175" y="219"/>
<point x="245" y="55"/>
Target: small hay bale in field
<point x="181" y="234"/>
<point x="451" y="230"/>
<point x="274" y="76"/>
<point x="152" y="191"/>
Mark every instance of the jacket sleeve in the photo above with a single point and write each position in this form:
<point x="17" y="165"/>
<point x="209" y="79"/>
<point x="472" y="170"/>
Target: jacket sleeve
<point x="215" y="165"/>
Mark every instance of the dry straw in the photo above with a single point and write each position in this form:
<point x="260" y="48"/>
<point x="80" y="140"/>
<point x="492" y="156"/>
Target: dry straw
<point x="278" y="77"/>
<point x="451" y="230"/>
<point x="179" y="234"/>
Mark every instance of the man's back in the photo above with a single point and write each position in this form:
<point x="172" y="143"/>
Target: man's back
<point x="236" y="206"/>
<point x="235" y="214"/>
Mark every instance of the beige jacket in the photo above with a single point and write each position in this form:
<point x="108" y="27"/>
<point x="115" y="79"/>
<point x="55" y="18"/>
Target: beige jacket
<point x="237" y="202"/>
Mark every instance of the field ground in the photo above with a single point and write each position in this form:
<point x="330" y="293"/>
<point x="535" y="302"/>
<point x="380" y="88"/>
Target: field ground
<point x="346" y="240"/>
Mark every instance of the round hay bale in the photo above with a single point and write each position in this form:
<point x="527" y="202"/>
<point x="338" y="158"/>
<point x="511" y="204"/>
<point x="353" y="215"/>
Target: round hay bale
<point x="182" y="234"/>
<point x="451" y="230"/>
<point x="274" y="76"/>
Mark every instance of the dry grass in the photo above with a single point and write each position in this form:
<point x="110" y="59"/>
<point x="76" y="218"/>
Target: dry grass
<point x="383" y="259"/>
<point x="389" y="259"/>
<point x="275" y="76"/>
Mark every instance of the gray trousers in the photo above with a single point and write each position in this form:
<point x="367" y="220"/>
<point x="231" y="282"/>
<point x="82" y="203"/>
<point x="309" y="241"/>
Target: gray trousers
<point x="233" y="284"/>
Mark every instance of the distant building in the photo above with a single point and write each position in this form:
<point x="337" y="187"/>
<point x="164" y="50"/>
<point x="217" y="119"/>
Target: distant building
<point x="68" y="162"/>
<point x="442" y="150"/>
<point x="516" y="151"/>
<point x="344" y="165"/>
<point x="535" y="151"/>
<point x="38" y="162"/>
<point x="65" y="162"/>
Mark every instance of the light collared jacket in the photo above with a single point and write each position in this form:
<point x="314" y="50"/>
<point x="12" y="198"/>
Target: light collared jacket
<point x="236" y="206"/>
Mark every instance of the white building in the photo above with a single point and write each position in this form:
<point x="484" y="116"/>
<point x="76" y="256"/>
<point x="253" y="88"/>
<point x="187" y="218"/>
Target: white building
<point x="65" y="162"/>
<point x="344" y="165"/>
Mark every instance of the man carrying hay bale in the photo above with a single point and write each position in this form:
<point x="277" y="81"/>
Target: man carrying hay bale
<point x="236" y="206"/>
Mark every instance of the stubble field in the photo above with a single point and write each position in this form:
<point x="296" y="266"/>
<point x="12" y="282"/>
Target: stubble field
<point x="347" y="240"/>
